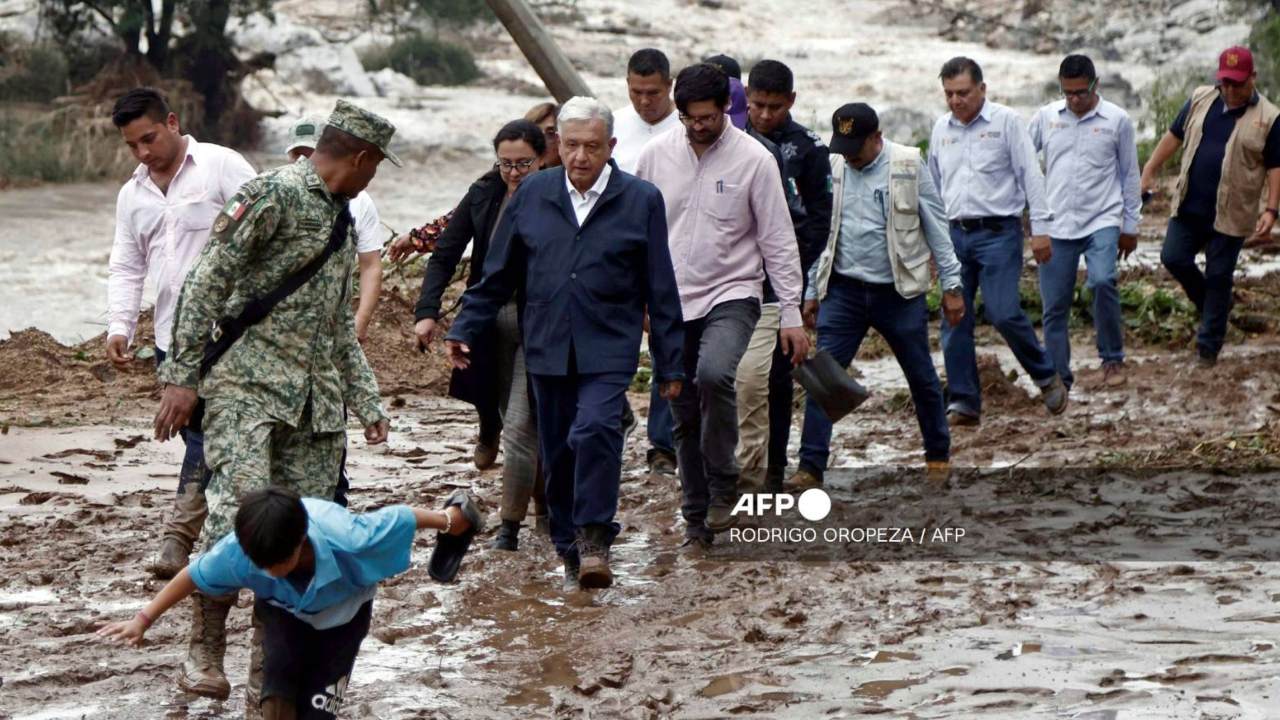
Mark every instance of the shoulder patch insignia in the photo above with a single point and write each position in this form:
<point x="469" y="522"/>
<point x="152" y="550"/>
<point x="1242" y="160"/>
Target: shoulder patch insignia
<point x="236" y="209"/>
<point x="221" y="223"/>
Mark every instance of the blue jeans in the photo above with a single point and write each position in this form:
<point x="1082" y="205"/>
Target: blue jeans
<point x="1057" y="289"/>
<point x="659" y="427"/>
<point x="990" y="259"/>
<point x="194" y="468"/>
<point x="579" y="420"/>
<point x="849" y="310"/>
<point x="1210" y="290"/>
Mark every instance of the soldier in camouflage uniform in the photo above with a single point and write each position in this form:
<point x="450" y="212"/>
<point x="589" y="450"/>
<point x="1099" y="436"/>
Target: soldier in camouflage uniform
<point x="274" y="401"/>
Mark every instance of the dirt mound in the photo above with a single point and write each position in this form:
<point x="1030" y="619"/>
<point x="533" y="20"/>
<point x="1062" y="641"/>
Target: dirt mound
<point x="999" y="389"/>
<point x="392" y="349"/>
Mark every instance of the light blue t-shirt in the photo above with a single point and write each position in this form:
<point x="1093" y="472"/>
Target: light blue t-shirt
<point x="354" y="552"/>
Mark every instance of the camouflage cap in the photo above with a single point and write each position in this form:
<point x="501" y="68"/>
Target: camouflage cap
<point x="365" y="125"/>
<point x="304" y="134"/>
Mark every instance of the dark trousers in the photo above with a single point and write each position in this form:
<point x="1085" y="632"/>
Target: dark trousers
<point x="660" y="424"/>
<point x="194" y="468"/>
<point x="706" y="410"/>
<point x="308" y="667"/>
<point x="990" y="260"/>
<point x="1210" y="290"/>
<point x="579" y="419"/>
<point x="781" y="395"/>
<point x="844" y="316"/>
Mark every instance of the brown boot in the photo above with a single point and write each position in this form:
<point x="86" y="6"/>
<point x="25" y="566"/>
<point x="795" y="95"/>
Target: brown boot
<point x="180" y="532"/>
<point x="202" y="673"/>
<point x="253" y="688"/>
<point x="593" y="557"/>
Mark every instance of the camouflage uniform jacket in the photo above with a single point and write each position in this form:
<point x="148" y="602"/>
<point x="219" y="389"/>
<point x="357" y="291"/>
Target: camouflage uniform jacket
<point x="307" y="347"/>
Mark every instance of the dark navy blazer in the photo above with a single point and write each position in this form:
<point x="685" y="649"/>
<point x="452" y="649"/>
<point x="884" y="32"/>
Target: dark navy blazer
<point x="586" y="287"/>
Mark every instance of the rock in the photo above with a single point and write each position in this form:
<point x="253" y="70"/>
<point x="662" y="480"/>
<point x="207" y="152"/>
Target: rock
<point x="336" y="67"/>
<point x="391" y="83"/>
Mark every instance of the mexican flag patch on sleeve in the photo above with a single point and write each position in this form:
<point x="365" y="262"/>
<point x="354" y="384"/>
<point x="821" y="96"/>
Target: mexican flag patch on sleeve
<point x="236" y="209"/>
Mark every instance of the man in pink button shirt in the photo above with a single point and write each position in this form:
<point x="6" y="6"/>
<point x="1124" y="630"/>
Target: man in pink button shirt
<point x="728" y="223"/>
<point x="163" y="215"/>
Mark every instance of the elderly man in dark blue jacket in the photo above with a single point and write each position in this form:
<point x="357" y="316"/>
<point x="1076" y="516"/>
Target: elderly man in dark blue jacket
<point x="591" y="243"/>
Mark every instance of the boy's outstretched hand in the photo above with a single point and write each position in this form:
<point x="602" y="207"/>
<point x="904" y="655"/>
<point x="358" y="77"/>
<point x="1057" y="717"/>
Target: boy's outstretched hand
<point x="127" y="632"/>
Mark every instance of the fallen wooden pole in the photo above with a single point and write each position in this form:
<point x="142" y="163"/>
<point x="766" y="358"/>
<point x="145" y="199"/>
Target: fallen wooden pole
<point x="540" y="49"/>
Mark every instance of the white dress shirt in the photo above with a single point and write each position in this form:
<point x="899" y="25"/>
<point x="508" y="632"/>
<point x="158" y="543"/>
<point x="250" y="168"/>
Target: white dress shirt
<point x="582" y="203"/>
<point x="160" y="234"/>
<point x="633" y="133"/>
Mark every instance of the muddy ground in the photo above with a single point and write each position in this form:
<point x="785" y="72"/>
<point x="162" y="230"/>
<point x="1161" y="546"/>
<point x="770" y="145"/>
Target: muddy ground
<point x="1064" y="625"/>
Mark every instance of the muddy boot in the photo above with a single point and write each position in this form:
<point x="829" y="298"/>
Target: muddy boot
<point x="202" y="673"/>
<point x="253" y="688"/>
<point x="508" y="537"/>
<point x="180" y="532"/>
<point x="542" y="525"/>
<point x="593" y="557"/>
<point x="571" y="569"/>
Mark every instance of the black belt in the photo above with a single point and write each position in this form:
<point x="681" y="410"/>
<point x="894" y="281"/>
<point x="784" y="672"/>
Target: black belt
<point x="994" y="223"/>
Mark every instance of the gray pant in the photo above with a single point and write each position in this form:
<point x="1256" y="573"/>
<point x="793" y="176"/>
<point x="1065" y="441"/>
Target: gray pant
<point x="706" y="411"/>
<point x="520" y="477"/>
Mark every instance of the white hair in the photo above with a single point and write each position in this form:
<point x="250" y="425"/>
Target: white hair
<point x="580" y="108"/>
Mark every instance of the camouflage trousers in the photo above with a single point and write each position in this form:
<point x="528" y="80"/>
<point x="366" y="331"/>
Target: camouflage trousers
<point x="247" y="451"/>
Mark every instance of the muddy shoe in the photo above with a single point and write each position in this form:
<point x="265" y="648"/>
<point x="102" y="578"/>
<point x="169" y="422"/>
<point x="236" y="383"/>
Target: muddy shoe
<point x="1113" y="374"/>
<point x="1205" y="361"/>
<point x="593" y="557"/>
<point x="961" y="418"/>
<point x="201" y="673"/>
<point x="542" y="524"/>
<point x="1055" y="396"/>
<point x="720" y="518"/>
<point x="697" y="545"/>
<point x="508" y="537"/>
<point x="937" y="472"/>
<point x="172" y="557"/>
<point x="801" y="481"/>
<point x="447" y="555"/>
<point x="485" y="455"/>
<point x="662" y="464"/>
<point x="571" y="569"/>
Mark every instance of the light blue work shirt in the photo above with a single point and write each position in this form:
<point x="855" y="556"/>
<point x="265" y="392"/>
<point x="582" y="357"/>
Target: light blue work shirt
<point x="353" y="552"/>
<point x="1091" y="169"/>
<point x="862" y="247"/>
<point x="988" y="168"/>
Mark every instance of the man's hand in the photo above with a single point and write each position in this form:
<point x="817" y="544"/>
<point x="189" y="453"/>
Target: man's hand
<point x="670" y="390"/>
<point x="376" y="434"/>
<point x="795" y="343"/>
<point x="1041" y="248"/>
<point x="1262" y="231"/>
<point x="459" y="354"/>
<point x="1128" y="243"/>
<point x="118" y="351"/>
<point x="125" y="632"/>
<point x="176" y="405"/>
<point x="400" y="248"/>
<point x="1148" y="184"/>
<point x="953" y="307"/>
<point x="809" y="311"/>
<point x="425" y="330"/>
<point x="362" y="328"/>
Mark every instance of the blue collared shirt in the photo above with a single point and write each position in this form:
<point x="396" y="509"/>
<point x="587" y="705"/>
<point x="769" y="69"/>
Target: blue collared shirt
<point x="988" y="168"/>
<point x="862" y="247"/>
<point x="353" y="552"/>
<point x="1091" y="169"/>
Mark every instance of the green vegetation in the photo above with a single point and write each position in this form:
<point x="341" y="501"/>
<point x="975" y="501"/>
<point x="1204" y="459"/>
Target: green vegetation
<point x="428" y="60"/>
<point x="1264" y="40"/>
<point x="33" y="73"/>
<point x="1164" y="99"/>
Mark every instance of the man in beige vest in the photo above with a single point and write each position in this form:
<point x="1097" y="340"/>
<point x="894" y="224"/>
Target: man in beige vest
<point x="1231" y="147"/>
<point x="887" y="220"/>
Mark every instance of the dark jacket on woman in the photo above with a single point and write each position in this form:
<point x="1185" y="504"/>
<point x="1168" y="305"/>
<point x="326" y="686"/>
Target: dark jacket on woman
<point x="472" y="222"/>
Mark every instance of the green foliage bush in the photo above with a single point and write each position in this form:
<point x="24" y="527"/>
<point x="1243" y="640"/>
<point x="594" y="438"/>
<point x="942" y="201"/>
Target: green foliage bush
<point x="427" y="60"/>
<point x="32" y="73"/>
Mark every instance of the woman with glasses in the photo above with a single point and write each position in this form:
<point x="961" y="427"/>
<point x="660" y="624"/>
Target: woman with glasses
<point x="544" y="116"/>
<point x="495" y="383"/>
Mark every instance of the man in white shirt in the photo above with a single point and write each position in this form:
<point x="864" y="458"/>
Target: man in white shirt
<point x="650" y="114"/>
<point x="163" y="215"/>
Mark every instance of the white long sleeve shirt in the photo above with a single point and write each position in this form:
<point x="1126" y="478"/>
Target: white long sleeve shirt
<point x="160" y="234"/>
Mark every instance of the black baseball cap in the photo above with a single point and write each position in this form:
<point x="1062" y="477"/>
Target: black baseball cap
<point x="727" y="65"/>
<point x="851" y="125"/>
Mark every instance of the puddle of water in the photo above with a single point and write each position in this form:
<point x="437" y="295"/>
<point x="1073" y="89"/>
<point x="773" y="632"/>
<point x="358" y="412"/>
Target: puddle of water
<point x="881" y="689"/>
<point x="724" y="685"/>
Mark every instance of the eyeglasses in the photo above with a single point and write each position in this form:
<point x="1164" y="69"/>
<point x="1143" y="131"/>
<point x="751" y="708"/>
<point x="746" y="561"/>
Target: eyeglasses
<point x="699" y="119"/>
<point x="510" y="166"/>
<point x="1080" y="93"/>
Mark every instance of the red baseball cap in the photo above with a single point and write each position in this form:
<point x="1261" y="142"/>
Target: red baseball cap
<point x="1235" y="64"/>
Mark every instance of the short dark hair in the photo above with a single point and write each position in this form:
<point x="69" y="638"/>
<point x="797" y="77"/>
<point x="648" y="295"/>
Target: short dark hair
<point x="700" y="82"/>
<point x="771" y="76"/>
<point x="522" y="130"/>
<point x="270" y="525"/>
<point x="1077" y="66"/>
<point x="138" y="102"/>
<point x="649" y="61"/>
<point x="960" y="65"/>
<point x="340" y="143"/>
